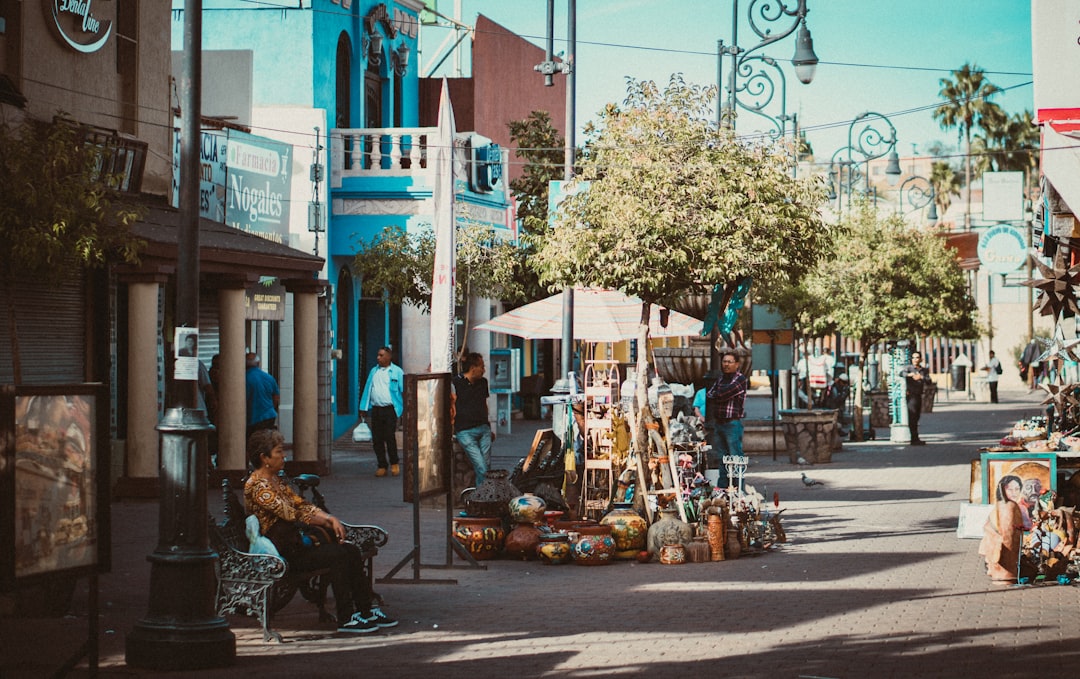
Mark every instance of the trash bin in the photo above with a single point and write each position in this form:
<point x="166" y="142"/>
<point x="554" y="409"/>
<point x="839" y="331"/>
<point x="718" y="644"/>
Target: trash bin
<point x="959" y="377"/>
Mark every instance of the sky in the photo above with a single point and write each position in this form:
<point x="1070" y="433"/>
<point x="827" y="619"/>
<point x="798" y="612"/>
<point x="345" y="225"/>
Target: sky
<point x="882" y="56"/>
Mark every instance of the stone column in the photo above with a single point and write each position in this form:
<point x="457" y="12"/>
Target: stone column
<point x="232" y="394"/>
<point x="141" y="450"/>
<point x="305" y="451"/>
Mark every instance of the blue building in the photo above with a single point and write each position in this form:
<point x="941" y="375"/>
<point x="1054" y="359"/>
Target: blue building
<point x="338" y="79"/>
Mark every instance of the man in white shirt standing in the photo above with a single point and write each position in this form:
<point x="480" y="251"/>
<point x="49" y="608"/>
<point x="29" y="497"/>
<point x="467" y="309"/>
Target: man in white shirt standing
<point x="383" y="397"/>
<point x="993" y="373"/>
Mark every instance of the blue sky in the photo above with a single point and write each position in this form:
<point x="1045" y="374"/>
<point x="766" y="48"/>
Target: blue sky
<point x="876" y="55"/>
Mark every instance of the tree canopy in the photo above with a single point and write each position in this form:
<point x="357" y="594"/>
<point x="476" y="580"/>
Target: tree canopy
<point x="886" y="280"/>
<point x="676" y="205"/>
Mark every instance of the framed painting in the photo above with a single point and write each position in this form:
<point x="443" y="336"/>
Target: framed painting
<point x="426" y="436"/>
<point x="1036" y="473"/>
<point x="54" y="465"/>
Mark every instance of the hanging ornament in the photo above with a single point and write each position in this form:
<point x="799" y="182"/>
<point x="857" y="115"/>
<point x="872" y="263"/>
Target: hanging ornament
<point x="1057" y="288"/>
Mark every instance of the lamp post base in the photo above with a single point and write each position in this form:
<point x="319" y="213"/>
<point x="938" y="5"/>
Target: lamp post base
<point x="171" y="646"/>
<point x="899" y="433"/>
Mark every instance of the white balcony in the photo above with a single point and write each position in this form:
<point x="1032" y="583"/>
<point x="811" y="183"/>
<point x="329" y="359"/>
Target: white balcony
<point x="380" y="152"/>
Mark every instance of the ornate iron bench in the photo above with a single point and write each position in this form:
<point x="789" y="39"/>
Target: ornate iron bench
<point x="260" y="585"/>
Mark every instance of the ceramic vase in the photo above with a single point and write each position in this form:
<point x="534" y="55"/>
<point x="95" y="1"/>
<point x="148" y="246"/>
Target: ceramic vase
<point x="669" y="530"/>
<point x="521" y="541"/>
<point x="554" y="548"/>
<point x="483" y="537"/>
<point x="715" y="533"/>
<point x="734" y="545"/>
<point x="628" y="528"/>
<point x="594" y="546"/>
<point x="491" y="498"/>
<point x="672" y="554"/>
<point x="527" y="508"/>
<point x="552" y="516"/>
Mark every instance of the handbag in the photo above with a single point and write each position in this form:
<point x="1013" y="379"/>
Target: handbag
<point x="998" y="368"/>
<point x="362" y="433"/>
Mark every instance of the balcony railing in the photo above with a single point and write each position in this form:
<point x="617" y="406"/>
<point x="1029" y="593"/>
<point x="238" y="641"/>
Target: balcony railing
<point x="380" y="152"/>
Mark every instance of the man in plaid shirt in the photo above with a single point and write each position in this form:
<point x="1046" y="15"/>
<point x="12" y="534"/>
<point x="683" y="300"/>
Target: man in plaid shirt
<point x="728" y="396"/>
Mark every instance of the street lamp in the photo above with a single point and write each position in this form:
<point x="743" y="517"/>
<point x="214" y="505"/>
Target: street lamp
<point x="870" y="136"/>
<point x="920" y="193"/>
<point x="761" y="75"/>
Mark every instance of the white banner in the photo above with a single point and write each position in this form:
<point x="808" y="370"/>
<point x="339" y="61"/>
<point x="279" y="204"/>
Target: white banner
<point x="444" y="277"/>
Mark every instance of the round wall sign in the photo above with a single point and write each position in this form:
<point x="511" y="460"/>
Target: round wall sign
<point x="1002" y="249"/>
<point x="78" y="26"/>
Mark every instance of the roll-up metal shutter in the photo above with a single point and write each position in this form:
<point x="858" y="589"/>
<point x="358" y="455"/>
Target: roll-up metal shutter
<point x="51" y="322"/>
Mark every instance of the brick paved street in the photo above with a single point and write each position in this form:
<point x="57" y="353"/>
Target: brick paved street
<point x="873" y="583"/>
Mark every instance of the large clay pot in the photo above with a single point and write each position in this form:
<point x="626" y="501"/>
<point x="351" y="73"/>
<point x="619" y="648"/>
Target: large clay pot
<point x="491" y="498"/>
<point x="628" y="528"/>
<point x="734" y="545"/>
<point x="669" y="530"/>
<point x="715" y="532"/>
<point x="483" y="537"/>
<point x="594" y="546"/>
<point x="527" y="508"/>
<point x="554" y="548"/>
<point x="521" y="542"/>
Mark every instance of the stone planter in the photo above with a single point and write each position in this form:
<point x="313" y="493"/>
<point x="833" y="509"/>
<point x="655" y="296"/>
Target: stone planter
<point x="809" y="434"/>
<point x="686" y="365"/>
<point x="879" y="409"/>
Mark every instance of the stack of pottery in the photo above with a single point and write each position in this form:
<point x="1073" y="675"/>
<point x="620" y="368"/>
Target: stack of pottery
<point x="526" y="511"/>
<point x="594" y="545"/>
<point x="483" y="537"/>
<point x="628" y="528"/>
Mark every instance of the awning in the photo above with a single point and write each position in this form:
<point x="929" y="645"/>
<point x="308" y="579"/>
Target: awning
<point x="1061" y="161"/>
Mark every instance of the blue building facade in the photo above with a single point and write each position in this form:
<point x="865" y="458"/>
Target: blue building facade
<point x="350" y="69"/>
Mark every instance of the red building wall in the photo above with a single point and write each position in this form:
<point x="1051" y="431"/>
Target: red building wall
<point x="503" y="87"/>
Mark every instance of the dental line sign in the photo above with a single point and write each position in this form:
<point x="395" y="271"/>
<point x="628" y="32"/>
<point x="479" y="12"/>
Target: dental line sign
<point x="77" y="25"/>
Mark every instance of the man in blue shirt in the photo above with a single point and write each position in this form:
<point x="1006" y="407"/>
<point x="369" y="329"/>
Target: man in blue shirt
<point x="383" y="398"/>
<point x="263" y="396"/>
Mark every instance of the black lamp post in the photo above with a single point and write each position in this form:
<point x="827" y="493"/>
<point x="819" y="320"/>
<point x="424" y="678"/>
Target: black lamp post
<point x="181" y="630"/>
<point x="758" y="77"/>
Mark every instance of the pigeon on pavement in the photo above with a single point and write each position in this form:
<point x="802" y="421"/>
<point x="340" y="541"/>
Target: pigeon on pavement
<point x="808" y="482"/>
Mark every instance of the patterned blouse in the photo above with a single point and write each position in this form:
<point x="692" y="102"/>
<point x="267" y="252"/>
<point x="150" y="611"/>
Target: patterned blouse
<point x="273" y="500"/>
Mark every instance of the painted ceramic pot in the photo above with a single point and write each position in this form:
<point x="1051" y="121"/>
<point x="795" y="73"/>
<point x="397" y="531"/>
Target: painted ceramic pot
<point x="527" y="508"/>
<point x="483" y="537"/>
<point x="554" y="548"/>
<point x="628" y="528"/>
<point x="673" y="554"/>
<point x="594" y="546"/>
<point x="733" y="548"/>
<point x="522" y="540"/>
<point x="715" y="533"/>
<point x="669" y="530"/>
<point x="552" y="516"/>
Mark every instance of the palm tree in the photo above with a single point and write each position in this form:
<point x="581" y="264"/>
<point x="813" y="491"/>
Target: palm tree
<point x="967" y="102"/>
<point x="946" y="184"/>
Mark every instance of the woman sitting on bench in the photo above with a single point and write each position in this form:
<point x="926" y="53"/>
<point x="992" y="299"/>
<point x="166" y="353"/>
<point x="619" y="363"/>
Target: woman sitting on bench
<point x="308" y="538"/>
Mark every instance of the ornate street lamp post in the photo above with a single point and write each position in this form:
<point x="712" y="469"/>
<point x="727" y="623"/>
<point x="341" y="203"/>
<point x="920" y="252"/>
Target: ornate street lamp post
<point x="870" y="136"/>
<point x="920" y="193"/>
<point x="758" y="77"/>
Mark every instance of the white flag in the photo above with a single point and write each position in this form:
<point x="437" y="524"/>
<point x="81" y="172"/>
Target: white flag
<point x="444" y="279"/>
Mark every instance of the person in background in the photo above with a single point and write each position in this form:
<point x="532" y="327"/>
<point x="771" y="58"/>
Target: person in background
<point x="836" y="398"/>
<point x="993" y="373"/>
<point x="384" y="399"/>
<point x="472" y="427"/>
<point x="279" y="510"/>
<point x="915" y="377"/>
<point x="263" y="396"/>
<point x="728" y="394"/>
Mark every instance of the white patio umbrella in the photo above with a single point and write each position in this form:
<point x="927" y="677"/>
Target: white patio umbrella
<point x="599" y="316"/>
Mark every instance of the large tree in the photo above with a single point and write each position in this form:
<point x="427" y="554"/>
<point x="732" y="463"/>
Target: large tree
<point x="886" y="280"/>
<point x="967" y="103"/>
<point x="59" y="212"/>
<point x="677" y="205"/>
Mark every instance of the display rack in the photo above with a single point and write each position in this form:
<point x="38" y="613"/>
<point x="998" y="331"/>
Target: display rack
<point x="601" y="387"/>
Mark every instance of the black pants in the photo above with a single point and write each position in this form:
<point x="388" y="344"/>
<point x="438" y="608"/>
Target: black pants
<point x="914" y="410"/>
<point x="993" y="391"/>
<point x="352" y="591"/>
<point x="383" y="429"/>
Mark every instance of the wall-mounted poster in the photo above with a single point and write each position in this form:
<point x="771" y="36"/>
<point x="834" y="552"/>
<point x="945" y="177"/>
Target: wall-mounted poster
<point x="427" y="435"/>
<point x="54" y="466"/>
